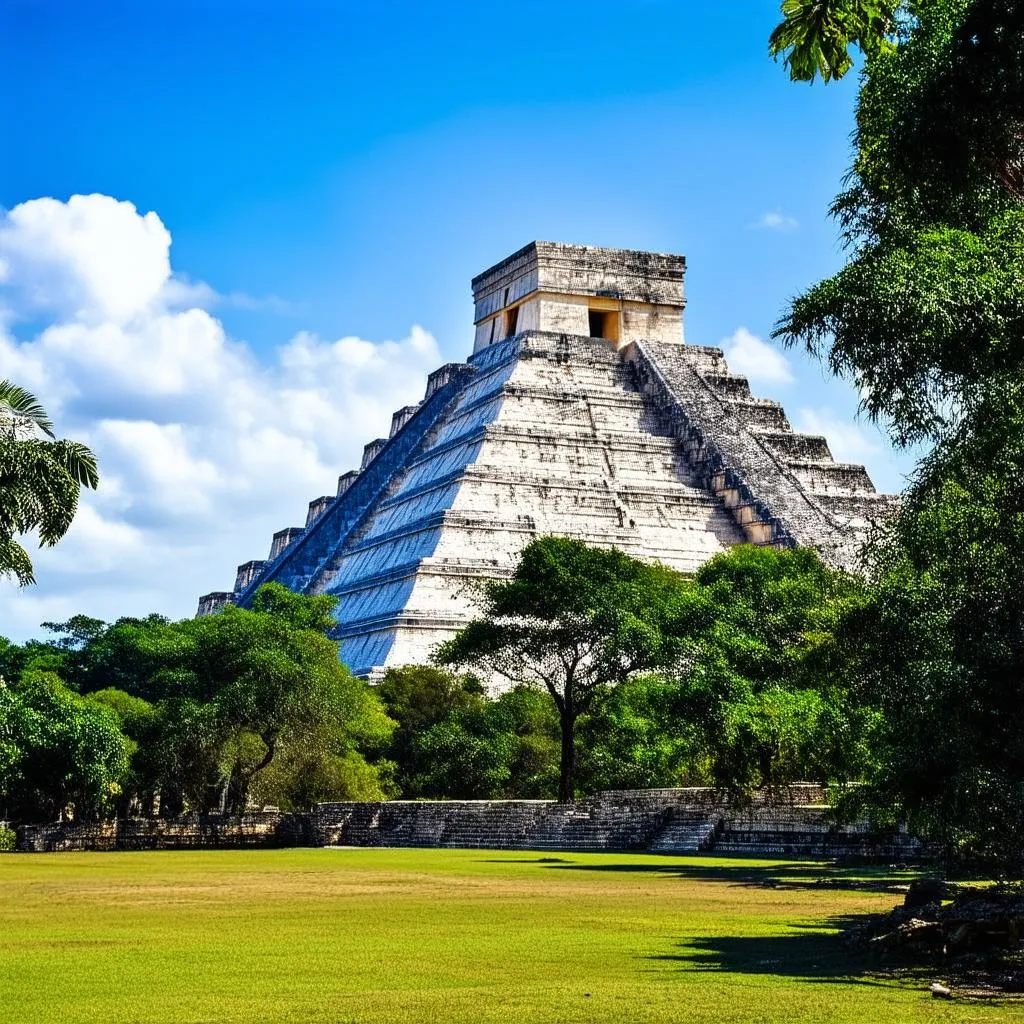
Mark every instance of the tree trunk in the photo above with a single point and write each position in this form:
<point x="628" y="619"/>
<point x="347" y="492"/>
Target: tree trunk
<point x="240" y="781"/>
<point x="567" y="765"/>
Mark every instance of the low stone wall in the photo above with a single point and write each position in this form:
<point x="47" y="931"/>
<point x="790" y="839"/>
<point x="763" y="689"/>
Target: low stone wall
<point x="790" y="821"/>
<point x="67" y="835"/>
<point x="190" y="832"/>
<point x="794" y="820"/>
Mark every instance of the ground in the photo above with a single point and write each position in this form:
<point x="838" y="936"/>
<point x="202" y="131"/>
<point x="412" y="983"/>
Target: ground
<point x="446" y="936"/>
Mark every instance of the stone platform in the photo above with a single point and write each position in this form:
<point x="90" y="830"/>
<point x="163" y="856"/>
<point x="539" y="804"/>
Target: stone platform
<point x="790" y="822"/>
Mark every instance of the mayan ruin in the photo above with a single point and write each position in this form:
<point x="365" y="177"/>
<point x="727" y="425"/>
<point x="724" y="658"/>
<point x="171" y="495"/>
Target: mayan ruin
<point x="512" y="514"/>
<point x="581" y="412"/>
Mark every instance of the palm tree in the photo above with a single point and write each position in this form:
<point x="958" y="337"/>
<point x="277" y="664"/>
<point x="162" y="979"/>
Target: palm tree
<point x="40" y="479"/>
<point x="814" y="36"/>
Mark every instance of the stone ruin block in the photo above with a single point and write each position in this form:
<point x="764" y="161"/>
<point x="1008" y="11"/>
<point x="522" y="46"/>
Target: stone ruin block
<point x="401" y="417"/>
<point x="317" y="507"/>
<point x="283" y="539"/>
<point x="213" y="602"/>
<point x="346" y="480"/>
<point x="372" y="450"/>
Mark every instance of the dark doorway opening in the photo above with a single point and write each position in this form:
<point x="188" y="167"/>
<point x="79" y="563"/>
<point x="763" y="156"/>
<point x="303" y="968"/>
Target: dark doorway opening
<point x="603" y="324"/>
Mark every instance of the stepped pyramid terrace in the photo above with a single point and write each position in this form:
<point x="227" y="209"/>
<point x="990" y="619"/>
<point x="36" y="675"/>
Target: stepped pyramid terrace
<point x="583" y="413"/>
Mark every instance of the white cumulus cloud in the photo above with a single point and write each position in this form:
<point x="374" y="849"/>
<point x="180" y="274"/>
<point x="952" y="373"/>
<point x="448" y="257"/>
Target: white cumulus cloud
<point x="92" y="257"/>
<point x="775" y="220"/>
<point x="747" y="354"/>
<point x="205" y="449"/>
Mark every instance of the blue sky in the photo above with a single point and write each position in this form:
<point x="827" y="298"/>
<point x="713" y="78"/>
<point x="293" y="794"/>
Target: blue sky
<point x="332" y="170"/>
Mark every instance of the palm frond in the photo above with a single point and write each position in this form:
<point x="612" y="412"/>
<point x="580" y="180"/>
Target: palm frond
<point x="79" y="462"/>
<point x="14" y="561"/>
<point x="21" y="405"/>
<point x="40" y="481"/>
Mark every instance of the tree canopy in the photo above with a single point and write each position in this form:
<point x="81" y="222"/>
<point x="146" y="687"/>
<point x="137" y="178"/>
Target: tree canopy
<point x="57" y="750"/>
<point x="572" y="618"/>
<point x="815" y="36"/>
<point x="927" y="319"/>
<point x="206" y="706"/>
<point x="760" y="687"/>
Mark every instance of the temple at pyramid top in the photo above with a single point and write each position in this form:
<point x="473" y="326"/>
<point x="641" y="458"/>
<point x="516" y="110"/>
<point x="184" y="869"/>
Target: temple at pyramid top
<point x="620" y="295"/>
<point x="580" y="413"/>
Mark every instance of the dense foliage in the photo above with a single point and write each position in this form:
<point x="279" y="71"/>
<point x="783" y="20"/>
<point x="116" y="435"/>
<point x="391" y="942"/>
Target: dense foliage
<point x="760" y="684"/>
<point x="454" y="741"/>
<point x="57" y="749"/>
<point x="814" y="36"/>
<point x="724" y="679"/>
<point x="927" y="318"/>
<point x="211" y="713"/>
<point x="938" y="648"/>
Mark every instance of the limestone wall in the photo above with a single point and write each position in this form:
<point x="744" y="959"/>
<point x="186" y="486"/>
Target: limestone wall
<point x="549" y="436"/>
<point x="581" y="414"/>
<point x="782" y="488"/>
<point x="551" y="286"/>
<point x="656" y="449"/>
<point x="793" y="820"/>
<point x="269" y="829"/>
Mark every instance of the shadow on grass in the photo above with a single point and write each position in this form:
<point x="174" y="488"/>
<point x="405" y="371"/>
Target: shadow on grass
<point x="814" y="952"/>
<point x="780" y="875"/>
<point x="806" y="952"/>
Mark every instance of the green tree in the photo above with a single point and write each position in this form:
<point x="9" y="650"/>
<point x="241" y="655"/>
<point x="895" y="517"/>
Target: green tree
<point x="927" y="318"/>
<point x="139" y="721"/>
<point x="40" y="479"/>
<point x="939" y="649"/>
<point x="320" y="765"/>
<point x="638" y="735"/>
<point x="572" y="619"/>
<point x="501" y="748"/>
<point x="417" y="698"/>
<point x="250" y="681"/>
<point x="124" y="655"/>
<point x="57" y="751"/>
<point x="759" y="685"/>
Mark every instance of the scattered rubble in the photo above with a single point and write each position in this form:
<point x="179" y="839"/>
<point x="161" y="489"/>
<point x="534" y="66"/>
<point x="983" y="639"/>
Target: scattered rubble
<point x="975" y="933"/>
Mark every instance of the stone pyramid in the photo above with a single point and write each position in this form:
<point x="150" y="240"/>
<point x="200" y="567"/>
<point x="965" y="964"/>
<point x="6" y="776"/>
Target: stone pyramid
<point x="580" y="413"/>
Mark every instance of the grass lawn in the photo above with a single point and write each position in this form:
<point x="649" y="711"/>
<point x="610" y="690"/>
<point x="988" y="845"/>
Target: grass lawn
<point x="440" y="936"/>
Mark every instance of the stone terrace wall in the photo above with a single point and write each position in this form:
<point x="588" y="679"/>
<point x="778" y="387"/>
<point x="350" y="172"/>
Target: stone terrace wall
<point x="268" y="829"/>
<point x="791" y="821"/>
<point x="794" y="820"/>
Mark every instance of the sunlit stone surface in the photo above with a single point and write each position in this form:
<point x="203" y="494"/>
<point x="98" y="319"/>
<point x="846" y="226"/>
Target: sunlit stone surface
<point x="580" y="413"/>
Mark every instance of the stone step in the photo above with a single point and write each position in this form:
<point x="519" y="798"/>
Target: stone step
<point x="790" y="445"/>
<point x="662" y="822"/>
<point x="686" y="836"/>
<point x="729" y="385"/>
<point x="706" y="359"/>
<point x="760" y="413"/>
<point x="825" y="477"/>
